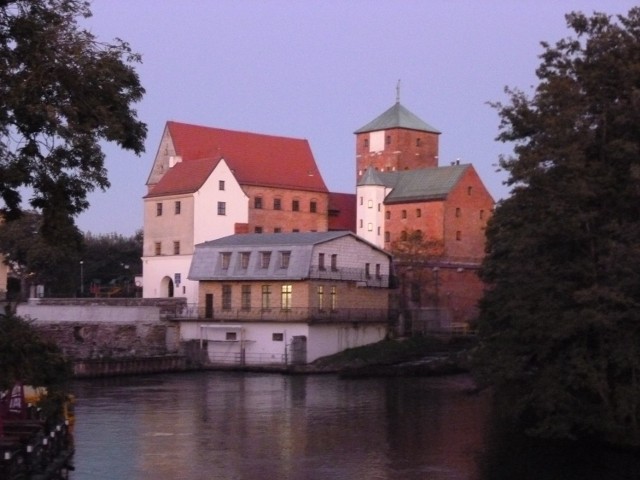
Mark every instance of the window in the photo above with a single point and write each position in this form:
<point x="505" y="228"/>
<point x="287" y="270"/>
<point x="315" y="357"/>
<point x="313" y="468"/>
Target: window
<point x="417" y="142"/>
<point x="158" y="209"/>
<point x="226" y="297"/>
<point x="379" y="230"/>
<point x="418" y="234"/>
<point x="458" y="235"/>
<point x="176" y="248"/>
<point x="388" y="140"/>
<point x="370" y="227"/>
<point x="284" y="259"/>
<point x="244" y="260"/>
<point x="334" y="298"/>
<point x="361" y="200"/>
<point x="367" y="270"/>
<point x="366" y="142"/>
<point x="277" y="337"/>
<point x="321" y="261"/>
<point x="458" y="212"/>
<point x="266" y="297"/>
<point x="334" y="262"/>
<point x="469" y="189"/>
<point x="157" y="247"/>
<point x="257" y="229"/>
<point x="285" y="297"/>
<point x="265" y="259"/>
<point x="246" y="297"/>
<point x="277" y="230"/>
<point x="370" y="203"/>
<point x="295" y="230"/>
<point x="177" y="207"/>
<point x="361" y="223"/>
<point x="387" y="236"/>
<point x="225" y="259"/>
<point x="418" y="213"/>
<point x="379" y="207"/>
<point x="231" y="336"/>
<point x="295" y="205"/>
<point x="404" y="214"/>
<point x="320" y="293"/>
<point x="222" y="208"/>
<point x="387" y="214"/>
<point x="378" y="274"/>
<point x="277" y="204"/>
<point x="257" y="203"/>
<point x="313" y="206"/>
<point x="220" y="184"/>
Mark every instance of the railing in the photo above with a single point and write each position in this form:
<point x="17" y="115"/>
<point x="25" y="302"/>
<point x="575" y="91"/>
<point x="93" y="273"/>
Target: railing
<point x="350" y="274"/>
<point x="277" y="314"/>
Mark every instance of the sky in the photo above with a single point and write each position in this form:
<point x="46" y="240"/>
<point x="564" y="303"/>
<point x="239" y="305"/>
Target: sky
<point x="319" y="70"/>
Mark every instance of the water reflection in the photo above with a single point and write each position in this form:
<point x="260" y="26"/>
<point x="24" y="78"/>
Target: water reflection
<point x="249" y="426"/>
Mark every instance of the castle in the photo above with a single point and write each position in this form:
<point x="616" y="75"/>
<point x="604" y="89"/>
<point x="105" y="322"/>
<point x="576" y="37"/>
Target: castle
<point x="208" y="183"/>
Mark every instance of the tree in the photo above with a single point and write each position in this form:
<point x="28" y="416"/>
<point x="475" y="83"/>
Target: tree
<point x="35" y="260"/>
<point x="560" y="321"/>
<point x="62" y="92"/>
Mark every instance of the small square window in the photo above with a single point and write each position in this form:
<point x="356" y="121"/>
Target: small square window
<point x="277" y="337"/>
<point x="220" y="184"/>
<point x="222" y="208"/>
<point x="277" y="230"/>
<point x="257" y="229"/>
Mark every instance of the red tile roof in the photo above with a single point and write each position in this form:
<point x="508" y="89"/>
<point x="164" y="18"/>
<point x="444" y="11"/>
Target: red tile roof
<point x="342" y="211"/>
<point x="255" y="159"/>
<point x="184" y="177"/>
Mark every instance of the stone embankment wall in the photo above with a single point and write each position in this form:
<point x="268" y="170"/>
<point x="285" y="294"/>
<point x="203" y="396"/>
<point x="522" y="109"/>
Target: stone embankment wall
<point x="110" y="336"/>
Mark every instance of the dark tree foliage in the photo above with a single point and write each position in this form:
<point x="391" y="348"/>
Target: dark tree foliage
<point x="28" y="358"/>
<point x="62" y="92"/>
<point x="560" y="322"/>
<point x="38" y="260"/>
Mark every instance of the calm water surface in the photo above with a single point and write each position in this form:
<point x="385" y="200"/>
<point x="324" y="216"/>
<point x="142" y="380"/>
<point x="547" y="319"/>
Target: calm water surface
<point x="216" y="425"/>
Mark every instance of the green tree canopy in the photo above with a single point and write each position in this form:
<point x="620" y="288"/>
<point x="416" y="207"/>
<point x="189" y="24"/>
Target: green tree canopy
<point x="560" y="321"/>
<point x="62" y="92"/>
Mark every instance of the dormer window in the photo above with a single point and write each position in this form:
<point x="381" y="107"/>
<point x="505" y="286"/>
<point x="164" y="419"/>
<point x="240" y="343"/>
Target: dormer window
<point x="285" y="257"/>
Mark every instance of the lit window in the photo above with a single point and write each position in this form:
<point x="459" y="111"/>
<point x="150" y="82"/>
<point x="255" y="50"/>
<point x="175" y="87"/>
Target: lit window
<point x="277" y="204"/>
<point x="285" y="257"/>
<point x="295" y="205"/>
<point x="177" y="208"/>
<point x="286" y="297"/>
<point x="176" y="248"/>
<point x="334" y="298"/>
<point x="157" y="246"/>
<point x="320" y="291"/>
<point x="246" y="297"/>
<point x="158" y="209"/>
<point x="222" y="208"/>
<point x="266" y="297"/>
<point x="225" y="259"/>
<point x="226" y="297"/>
<point x="257" y="203"/>
<point x="220" y="184"/>
<point x="265" y="259"/>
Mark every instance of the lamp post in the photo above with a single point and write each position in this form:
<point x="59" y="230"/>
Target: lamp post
<point x="82" y="278"/>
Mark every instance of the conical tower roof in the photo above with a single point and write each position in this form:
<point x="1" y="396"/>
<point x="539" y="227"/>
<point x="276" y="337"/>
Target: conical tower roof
<point x="370" y="177"/>
<point x="397" y="117"/>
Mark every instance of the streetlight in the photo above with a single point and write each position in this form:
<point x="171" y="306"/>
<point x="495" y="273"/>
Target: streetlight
<point x="82" y="278"/>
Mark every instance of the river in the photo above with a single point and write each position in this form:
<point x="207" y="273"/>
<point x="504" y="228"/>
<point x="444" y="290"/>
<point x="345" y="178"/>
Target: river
<point x="244" y="426"/>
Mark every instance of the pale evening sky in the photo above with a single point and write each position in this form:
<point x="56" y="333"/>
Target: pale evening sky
<point x="319" y="70"/>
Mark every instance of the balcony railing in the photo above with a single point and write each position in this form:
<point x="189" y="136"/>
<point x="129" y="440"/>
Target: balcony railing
<point x="277" y="314"/>
<point x="350" y="274"/>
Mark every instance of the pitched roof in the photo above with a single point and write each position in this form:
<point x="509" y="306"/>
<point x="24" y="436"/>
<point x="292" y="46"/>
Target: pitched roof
<point x="255" y="159"/>
<point x="184" y="177"/>
<point x="421" y="184"/>
<point x="370" y="177"/>
<point x="397" y="117"/>
<point x="259" y="240"/>
<point x="342" y="211"/>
